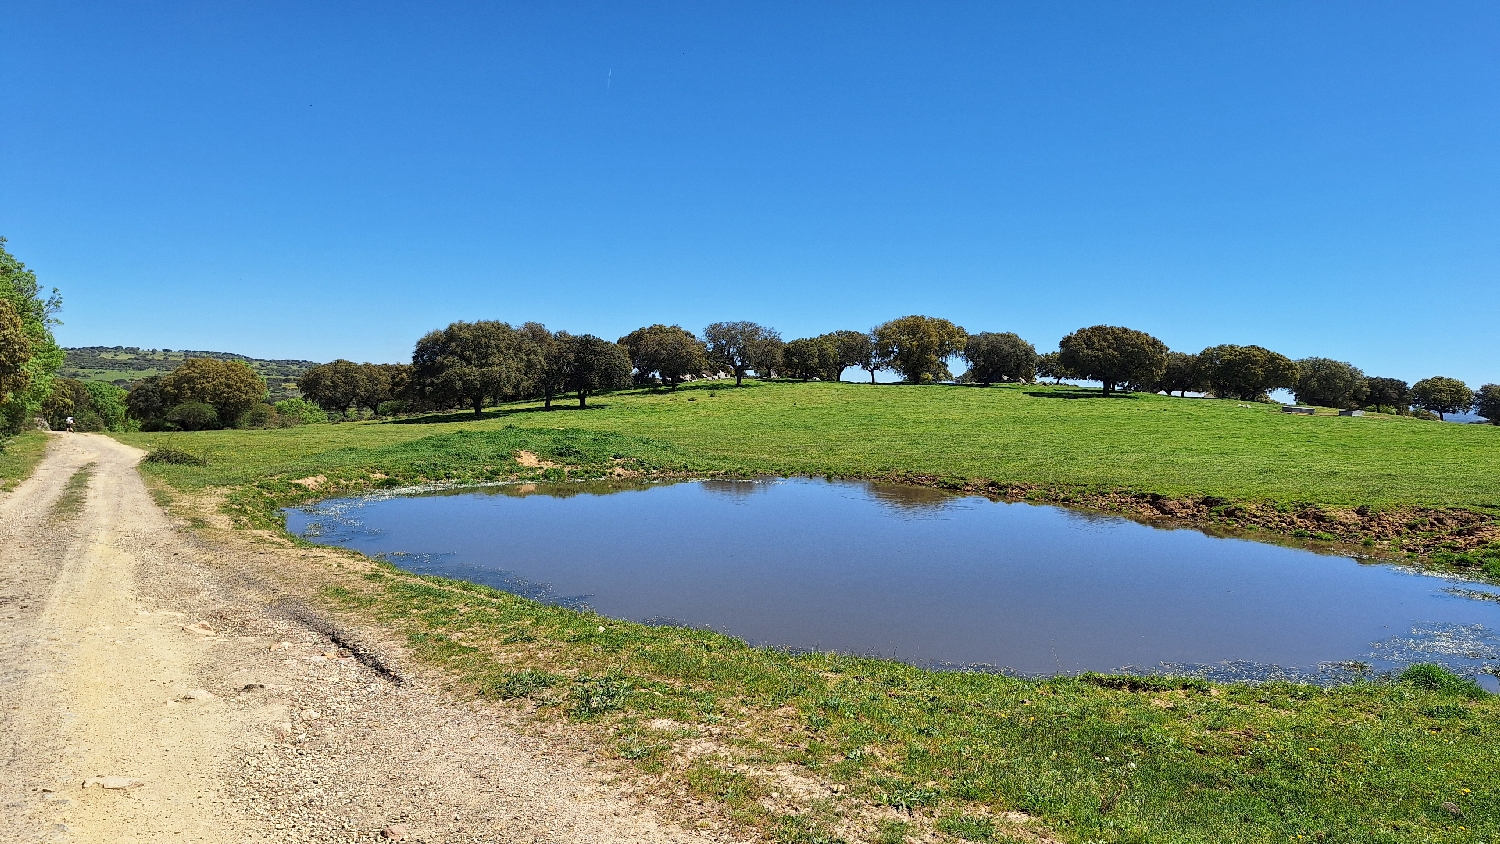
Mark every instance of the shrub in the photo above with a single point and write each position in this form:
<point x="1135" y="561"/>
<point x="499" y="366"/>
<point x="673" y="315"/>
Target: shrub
<point x="194" y="416"/>
<point x="1435" y="678"/>
<point x="301" y="412"/>
<point x="176" y="457"/>
<point x="258" y="416"/>
<point x="596" y="695"/>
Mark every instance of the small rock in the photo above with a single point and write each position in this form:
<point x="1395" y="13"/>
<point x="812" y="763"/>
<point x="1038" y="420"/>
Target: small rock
<point x="311" y="715"/>
<point x="253" y="687"/>
<point x="1452" y="809"/>
<point x="201" y="628"/>
<point x="114" y="782"/>
<point x="284" y="729"/>
<point x="199" y="694"/>
<point x="395" y="832"/>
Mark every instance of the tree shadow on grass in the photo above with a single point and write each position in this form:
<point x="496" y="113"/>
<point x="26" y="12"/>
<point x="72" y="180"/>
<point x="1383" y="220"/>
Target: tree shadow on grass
<point x="1079" y="393"/>
<point x="488" y="415"/>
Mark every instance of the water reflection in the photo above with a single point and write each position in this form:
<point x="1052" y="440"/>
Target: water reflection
<point x="929" y="577"/>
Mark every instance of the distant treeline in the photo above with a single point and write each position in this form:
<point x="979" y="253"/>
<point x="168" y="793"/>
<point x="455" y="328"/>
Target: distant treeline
<point x="476" y="364"/>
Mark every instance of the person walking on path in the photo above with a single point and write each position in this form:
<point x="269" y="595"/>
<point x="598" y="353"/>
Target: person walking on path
<point x="70" y="424"/>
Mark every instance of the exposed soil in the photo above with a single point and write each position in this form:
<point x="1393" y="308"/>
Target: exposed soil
<point x="160" y="686"/>
<point x="1418" y="531"/>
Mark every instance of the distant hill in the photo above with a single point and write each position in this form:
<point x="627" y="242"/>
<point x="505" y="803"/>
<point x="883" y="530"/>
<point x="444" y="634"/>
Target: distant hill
<point x="124" y="365"/>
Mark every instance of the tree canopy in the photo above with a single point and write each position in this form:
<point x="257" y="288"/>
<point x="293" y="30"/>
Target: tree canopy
<point x="1442" y="395"/>
<point x="1487" y="403"/>
<point x="1050" y="365"/>
<point x="743" y="346"/>
<point x="855" y="348"/>
<point x="999" y="357"/>
<point x="918" y="347"/>
<point x="1247" y="373"/>
<point x="473" y="363"/>
<point x="231" y="387"/>
<point x="812" y="357"/>
<point x="29" y="357"/>
<point x="1330" y="383"/>
<point x="667" y="352"/>
<point x="1112" y="355"/>
<point x="1183" y="374"/>
<point x="592" y="365"/>
<point x="1388" y="392"/>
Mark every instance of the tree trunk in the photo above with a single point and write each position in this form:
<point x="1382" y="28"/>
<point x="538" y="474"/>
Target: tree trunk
<point x="1107" y="386"/>
<point x="582" y="398"/>
<point x="872" y="376"/>
<point x="479" y="408"/>
<point x="739" y="377"/>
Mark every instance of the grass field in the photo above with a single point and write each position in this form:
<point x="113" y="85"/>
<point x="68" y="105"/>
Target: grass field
<point x="898" y="753"/>
<point x="1036" y="435"/>
<point x="18" y="456"/>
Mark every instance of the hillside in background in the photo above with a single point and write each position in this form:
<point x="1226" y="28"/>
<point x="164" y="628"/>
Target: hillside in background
<point x="124" y="365"/>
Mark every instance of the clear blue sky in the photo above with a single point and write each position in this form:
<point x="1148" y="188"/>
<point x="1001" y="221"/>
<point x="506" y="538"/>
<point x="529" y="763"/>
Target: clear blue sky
<point x="333" y="179"/>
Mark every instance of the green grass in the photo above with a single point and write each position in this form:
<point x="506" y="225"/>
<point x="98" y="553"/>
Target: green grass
<point x="1022" y="435"/>
<point x="74" y="495"/>
<point x="18" y="456"/>
<point x="918" y="753"/>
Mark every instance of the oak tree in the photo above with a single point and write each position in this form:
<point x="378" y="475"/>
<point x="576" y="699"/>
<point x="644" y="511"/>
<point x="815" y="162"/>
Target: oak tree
<point x="1247" y="373"/>
<point x="743" y="346"/>
<point x="1330" y="383"/>
<point x="1442" y="395"/>
<point x="1113" y="355"/>
<point x="999" y="357"/>
<point x="919" y="347"/>
<point x="668" y="352"/>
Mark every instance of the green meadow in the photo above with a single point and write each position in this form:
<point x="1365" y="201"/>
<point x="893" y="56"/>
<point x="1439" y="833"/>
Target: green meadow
<point x="903" y="754"/>
<point x="1054" y="436"/>
<point x="18" y="456"/>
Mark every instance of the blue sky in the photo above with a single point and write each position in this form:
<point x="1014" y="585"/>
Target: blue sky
<point x="317" y="180"/>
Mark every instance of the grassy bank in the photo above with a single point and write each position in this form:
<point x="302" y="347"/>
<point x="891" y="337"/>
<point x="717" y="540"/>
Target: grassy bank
<point x="810" y="748"/>
<point x="18" y="456"/>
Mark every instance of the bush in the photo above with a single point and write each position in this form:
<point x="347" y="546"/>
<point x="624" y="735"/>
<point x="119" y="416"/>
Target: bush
<point x="300" y="412"/>
<point x="1435" y="678"/>
<point x="194" y="416"/>
<point x="176" y="457"/>
<point x="259" y="416"/>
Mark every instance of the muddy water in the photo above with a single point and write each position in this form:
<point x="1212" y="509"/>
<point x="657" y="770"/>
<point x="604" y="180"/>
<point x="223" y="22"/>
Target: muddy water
<point x="928" y="577"/>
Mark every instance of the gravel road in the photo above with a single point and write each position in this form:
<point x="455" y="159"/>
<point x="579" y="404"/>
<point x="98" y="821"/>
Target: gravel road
<point x="158" y="686"/>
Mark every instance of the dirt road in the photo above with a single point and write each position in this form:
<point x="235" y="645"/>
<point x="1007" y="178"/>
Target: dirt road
<point x="158" y="689"/>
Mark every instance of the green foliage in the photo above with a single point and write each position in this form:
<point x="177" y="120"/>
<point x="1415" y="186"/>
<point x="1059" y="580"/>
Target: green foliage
<point x="341" y="385"/>
<point x="1435" y="678"/>
<point x="967" y="827"/>
<point x="230" y="386"/>
<point x="1330" y="383"/>
<point x="590" y="696"/>
<point x="1051" y="366"/>
<point x="108" y="402"/>
<point x="1388" y="392"/>
<point x="519" y="684"/>
<point x="470" y="364"/>
<point x="812" y="357"/>
<point x="667" y="352"/>
<point x="1183" y="374"/>
<point x="123" y="366"/>
<point x="1442" y="395"/>
<point x="1247" y="373"/>
<point x="1487" y="403"/>
<point x="740" y="347"/>
<point x="1113" y="355"/>
<point x="855" y="348"/>
<point x="175" y="457"/>
<point x="193" y="416"/>
<point x="918" y="347"/>
<point x="592" y="365"/>
<point x="300" y="411"/>
<point x="29" y="357"/>
<point x="999" y="357"/>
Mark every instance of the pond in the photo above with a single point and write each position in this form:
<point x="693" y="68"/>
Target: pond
<point x="928" y="577"/>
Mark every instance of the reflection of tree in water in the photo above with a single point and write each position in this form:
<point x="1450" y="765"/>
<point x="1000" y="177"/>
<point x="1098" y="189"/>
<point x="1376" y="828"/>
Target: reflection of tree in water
<point x="911" y="499"/>
<point x="553" y="489"/>
<point x="735" y="491"/>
